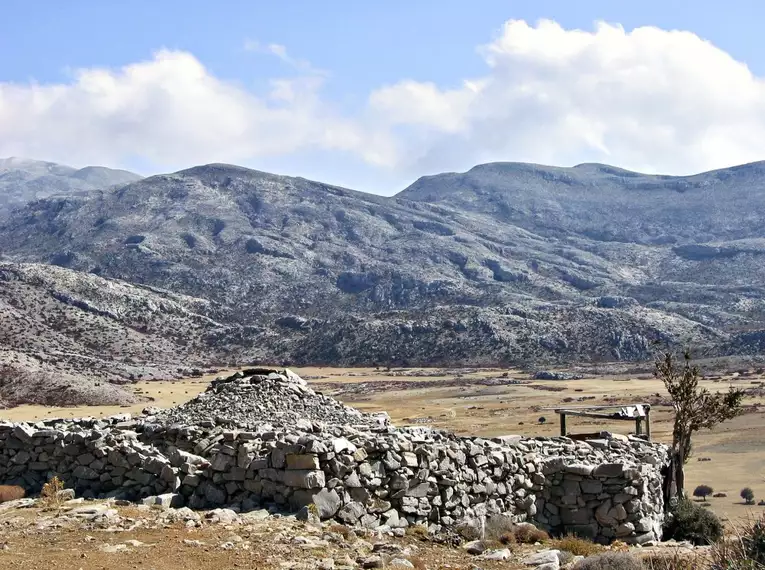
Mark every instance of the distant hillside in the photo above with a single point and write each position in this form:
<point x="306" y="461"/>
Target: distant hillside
<point x="23" y="180"/>
<point x="503" y="264"/>
<point x="603" y="203"/>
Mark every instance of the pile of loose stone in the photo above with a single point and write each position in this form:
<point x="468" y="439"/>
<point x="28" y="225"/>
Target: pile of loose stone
<point x="369" y="474"/>
<point x="264" y="396"/>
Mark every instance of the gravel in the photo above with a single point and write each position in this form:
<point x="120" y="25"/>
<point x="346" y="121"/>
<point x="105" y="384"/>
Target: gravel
<point x="265" y="396"/>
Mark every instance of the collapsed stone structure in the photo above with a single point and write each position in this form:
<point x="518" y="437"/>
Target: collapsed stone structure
<point x="361" y="472"/>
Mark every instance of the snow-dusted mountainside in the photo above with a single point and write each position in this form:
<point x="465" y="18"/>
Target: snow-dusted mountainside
<point x="510" y="263"/>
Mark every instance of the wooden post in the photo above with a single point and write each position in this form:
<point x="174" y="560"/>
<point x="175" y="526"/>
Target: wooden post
<point x="638" y="425"/>
<point x="563" y="425"/>
<point x="648" y="423"/>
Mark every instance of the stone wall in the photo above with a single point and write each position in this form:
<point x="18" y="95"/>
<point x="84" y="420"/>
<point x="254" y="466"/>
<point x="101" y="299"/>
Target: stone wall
<point x="390" y="477"/>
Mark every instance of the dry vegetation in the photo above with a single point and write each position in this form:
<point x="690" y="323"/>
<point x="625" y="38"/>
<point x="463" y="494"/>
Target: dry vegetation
<point x="11" y="493"/>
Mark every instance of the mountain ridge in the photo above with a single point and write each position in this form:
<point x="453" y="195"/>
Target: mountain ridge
<point x="504" y="265"/>
<point x="23" y="180"/>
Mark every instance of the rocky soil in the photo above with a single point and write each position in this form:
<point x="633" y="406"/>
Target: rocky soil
<point x="73" y="534"/>
<point x="93" y="534"/>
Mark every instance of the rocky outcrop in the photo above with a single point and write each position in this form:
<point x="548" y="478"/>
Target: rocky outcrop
<point x="368" y="475"/>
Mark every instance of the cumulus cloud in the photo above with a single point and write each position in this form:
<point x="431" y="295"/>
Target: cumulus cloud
<point x="171" y="110"/>
<point x="647" y="99"/>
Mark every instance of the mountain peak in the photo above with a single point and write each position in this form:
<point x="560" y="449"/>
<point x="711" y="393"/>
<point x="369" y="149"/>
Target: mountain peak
<point x="25" y="179"/>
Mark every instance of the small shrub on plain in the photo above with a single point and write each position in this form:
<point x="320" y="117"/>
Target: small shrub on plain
<point x="703" y="491"/>
<point x="577" y="546"/>
<point x="51" y="492"/>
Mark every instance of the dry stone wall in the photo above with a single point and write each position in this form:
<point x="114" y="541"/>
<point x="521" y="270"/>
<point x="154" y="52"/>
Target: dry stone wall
<point x="375" y="475"/>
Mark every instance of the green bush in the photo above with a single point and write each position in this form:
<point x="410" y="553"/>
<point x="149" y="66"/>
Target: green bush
<point x="610" y="561"/>
<point x="703" y="491"/>
<point x="690" y="521"/>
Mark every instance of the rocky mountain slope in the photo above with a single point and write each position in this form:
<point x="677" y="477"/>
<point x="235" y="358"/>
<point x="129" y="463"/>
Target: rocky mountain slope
<point x="687" y="244"/>
<point x="66" y="337"/>
<point x="508" y="263"/>
<point x="23" y="180"/>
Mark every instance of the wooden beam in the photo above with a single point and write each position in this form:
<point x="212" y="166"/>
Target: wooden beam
<point x="563" y="424"/>
<point x="594" y="415"/>
<point x="648" y="423"/>
<point x="612" y="407"/>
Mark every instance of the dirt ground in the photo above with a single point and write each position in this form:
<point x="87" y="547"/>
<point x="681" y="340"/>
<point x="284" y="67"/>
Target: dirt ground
<point x="486" y="402"/>
<point x="45" y="539"/>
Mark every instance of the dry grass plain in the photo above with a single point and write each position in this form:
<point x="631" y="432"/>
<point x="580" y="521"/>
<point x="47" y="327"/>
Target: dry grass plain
<point x="486" y="402"/>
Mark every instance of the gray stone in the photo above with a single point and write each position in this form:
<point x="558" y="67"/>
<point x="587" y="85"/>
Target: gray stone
<point x="475" y="547"/>
<point x="327" y="501"/>
<point x="82" y="472"/>
<point x="590" y="487"/>
<point x="543" y="557"/>
<point x="608" y="470"/>
<point x="500" y="554"/>
<point x="351" y="513"/>
<point x="579" y="469"/>
<point x="307" y="461"/>
<point x="304" y="479"/>
<point x="625" y="529"/>
<point x="341" y="444"/>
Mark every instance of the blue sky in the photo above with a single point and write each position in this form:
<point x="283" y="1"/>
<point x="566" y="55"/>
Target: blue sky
<point x="351" y="51"/>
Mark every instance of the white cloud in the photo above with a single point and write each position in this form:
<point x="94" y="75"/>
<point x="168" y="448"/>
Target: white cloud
<point x="280" y="51"/>
<point x="171" y="110"/>
<point x="647" y="99"/>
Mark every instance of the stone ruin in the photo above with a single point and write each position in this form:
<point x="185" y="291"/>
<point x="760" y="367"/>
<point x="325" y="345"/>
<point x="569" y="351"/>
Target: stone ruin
<point x="263" y="437"/>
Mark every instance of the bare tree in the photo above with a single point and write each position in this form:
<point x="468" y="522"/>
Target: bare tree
<point x="695" y="408"/>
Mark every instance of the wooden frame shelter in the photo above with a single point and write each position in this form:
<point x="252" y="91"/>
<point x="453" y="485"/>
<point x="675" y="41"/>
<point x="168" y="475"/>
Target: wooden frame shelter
<point x="638" y="413"/>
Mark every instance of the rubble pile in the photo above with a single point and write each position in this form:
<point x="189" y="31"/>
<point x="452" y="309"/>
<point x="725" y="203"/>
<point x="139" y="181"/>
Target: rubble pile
<point x="264" y="396"/>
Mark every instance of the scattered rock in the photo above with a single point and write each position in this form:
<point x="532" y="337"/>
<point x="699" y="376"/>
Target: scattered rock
<point x="500" y="554"/>
<point x="543" y="557"/>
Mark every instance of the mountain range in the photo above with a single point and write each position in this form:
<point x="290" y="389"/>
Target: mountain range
<point x="23" y="180"/>
<point x="507" y="263"/>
